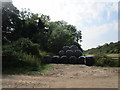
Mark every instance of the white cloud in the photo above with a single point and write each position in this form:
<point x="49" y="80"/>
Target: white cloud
<point x="72" y="11"/>
<point x="80" y="13"/>
<point x="93" y="36"/>
<point x="5" y="0"/>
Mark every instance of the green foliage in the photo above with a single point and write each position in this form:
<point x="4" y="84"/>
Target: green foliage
<point x="10" y="22"/>
<point x="106" y="48"/>
<point x="27" y="70"/>
<point x="27" y="37"/>
<point x="43" y="53"/>
<point x="21" y="53"/>
<point x="25" y="45"/>
<point x="52" y="36"/>
<point x="61" y="34"/>
<point x="19" y="59"/>
<point x="102" y="60"/>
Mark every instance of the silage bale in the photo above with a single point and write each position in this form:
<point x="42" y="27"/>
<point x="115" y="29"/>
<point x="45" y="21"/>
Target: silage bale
<point x="64" y="59"/>
<point x="61" y="53"/>
<point x="55" y="59"/>
<point x="89" y="60"/>
<point x="78" y="53"/>
<point x="73" y="48"/>
<point x="47" y="59"/>
<point x="65" y="48"/>
<point x="81" y="60"/>
<point x="69" y="53"/>
<point x="72" y="60"/>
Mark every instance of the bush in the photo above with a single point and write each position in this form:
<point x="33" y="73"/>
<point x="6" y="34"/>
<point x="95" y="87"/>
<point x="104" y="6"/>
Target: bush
<point x="19" y="59"/>
<point x="26" y="45"/>
<point x="103" y="60"/>
<point x="21" y="53"/>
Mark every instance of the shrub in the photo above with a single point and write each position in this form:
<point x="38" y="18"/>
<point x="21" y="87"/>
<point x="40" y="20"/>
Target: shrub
<point x="19" y="59"/>
<point x="102" y="60"/>
<point x="26" y="45"/>
<point x="17" y="54"/>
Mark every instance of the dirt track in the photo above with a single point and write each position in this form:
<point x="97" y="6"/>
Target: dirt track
<point x="66" y="76"/>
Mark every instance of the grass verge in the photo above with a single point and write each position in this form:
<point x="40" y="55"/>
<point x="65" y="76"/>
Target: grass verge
<point x="27" y="70"/>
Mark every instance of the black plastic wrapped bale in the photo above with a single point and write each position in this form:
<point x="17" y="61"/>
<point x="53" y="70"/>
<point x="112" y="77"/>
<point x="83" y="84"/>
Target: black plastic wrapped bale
<point x="74" y="47"/>
<point x="47" y="59"/>
<point x="69" y="53"/>
<point x="64" y="59"/>
<point x="61" y="52"/>
<point x="78" y="53"/>
<point x="72" y="60"/>
<point x="65" y="48"/>
<point x="89" y="60"/>
<point x="55" y="59"/>
<point x="81" y="60"/>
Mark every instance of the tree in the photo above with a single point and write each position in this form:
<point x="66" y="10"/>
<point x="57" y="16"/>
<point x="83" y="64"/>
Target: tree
<point x="10" y="22"/>
<point x="51" y="36"/>
<point x="61" y="35"/>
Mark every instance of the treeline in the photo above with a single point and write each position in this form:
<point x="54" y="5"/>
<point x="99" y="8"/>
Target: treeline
<point x="27" y="37"/>
<point x="111" y="48"/>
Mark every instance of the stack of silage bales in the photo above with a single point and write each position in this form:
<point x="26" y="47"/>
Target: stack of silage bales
<point x="64" y="58"/>
<point x="55" y="59"/>
<point x="47" y="59"/>
<point x="69" y="55"/>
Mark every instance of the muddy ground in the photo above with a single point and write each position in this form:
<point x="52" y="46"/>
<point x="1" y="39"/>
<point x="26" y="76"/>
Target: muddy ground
<point x="65" y="76"/>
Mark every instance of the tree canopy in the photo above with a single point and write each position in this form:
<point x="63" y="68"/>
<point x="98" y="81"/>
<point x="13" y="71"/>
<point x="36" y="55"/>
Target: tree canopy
<point x="51" y="36"/>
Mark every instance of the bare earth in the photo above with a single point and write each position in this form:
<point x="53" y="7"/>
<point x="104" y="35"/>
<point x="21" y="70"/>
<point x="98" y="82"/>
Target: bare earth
<point x="65" y="76"/>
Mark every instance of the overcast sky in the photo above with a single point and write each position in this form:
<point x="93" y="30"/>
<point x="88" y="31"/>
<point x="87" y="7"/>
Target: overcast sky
<point x="98" y="21"/>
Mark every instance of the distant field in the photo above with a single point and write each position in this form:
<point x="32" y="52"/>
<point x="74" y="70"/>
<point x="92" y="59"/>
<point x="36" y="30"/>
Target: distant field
<point x="113" y="56"/>
<point x="110" y="55"/>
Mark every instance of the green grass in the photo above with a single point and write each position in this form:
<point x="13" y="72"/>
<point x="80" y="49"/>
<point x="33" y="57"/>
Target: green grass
<point x="111" y="68"/>
<point x="44" y="68"/>
<point x="113" y="55"/>
<point x="114" y="59"/>
<point x="89" y="55"/>
<point x="109" y="55"/>
<point x="27" y="70"/>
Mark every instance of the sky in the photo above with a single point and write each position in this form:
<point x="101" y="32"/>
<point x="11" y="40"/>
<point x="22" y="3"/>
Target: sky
<point x="97" y="19"/>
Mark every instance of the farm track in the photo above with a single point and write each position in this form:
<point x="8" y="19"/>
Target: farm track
<point x="65" y="76"/>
